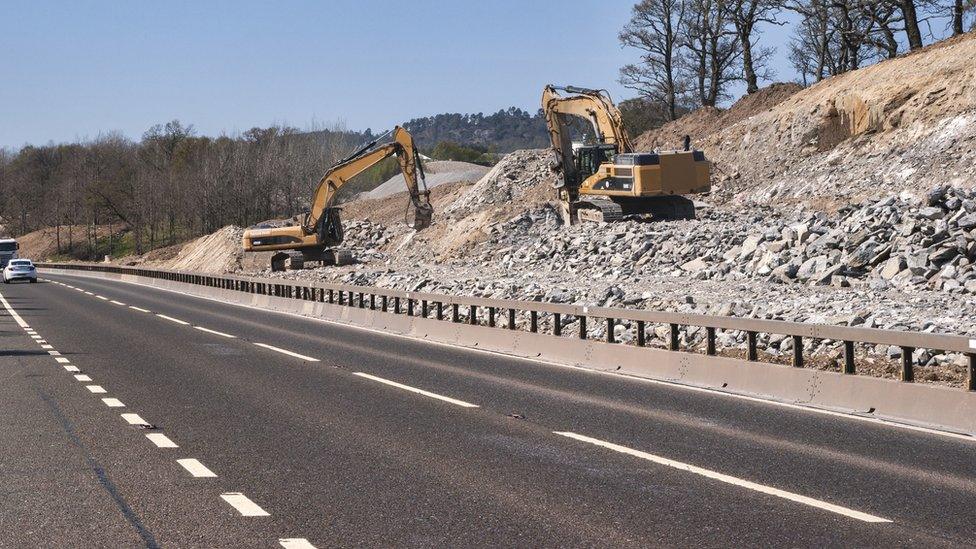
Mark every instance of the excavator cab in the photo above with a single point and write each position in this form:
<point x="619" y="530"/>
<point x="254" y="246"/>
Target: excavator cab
<point x="589" y="158"/>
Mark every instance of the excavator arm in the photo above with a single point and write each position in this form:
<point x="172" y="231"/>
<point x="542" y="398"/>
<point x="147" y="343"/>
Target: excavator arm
<point x="369" y="155"/>
<point x="595" y="107"/>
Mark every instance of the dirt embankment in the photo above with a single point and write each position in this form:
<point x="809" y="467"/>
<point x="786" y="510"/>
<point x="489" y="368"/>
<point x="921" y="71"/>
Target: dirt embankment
<point x="906" y="124"/>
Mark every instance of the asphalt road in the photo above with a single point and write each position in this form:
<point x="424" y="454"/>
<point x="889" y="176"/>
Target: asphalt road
<point x="335" y="436"/>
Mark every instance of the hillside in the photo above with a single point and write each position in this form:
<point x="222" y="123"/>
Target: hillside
<point x="905" y="124"/>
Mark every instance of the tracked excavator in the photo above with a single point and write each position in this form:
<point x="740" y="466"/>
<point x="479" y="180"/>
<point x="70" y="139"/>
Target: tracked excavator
<point x="315" y="238"/>
<point x="604" y="179"/>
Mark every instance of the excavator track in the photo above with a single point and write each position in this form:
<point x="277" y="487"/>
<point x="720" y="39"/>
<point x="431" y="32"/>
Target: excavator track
<point x="599" y="211"/>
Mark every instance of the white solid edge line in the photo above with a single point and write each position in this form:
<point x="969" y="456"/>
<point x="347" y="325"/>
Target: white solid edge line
<point x="295" y="543"/>
<point x="171" y="319"/>
<point x="96" y="388"/>
<point x="20" y="321"/>
<point x="140" y="309"/>
<point x="286" y="352"/>
<point x="71" y="368"/>
<point x="61" y="360"/>
<point x="672" y="384"/>
<point x="117" y="303"/>
<point x="728" y="479"/>
<point x="161" y="440"/>
<point x="215" y="332"/>
<point x="416" y="390"/>
<point x="244" y="506"/>
<point x="134" y="419"/>
<point x="82" y="377"/>
<point x="113" y="403"/>
<point x="195" y="468"/>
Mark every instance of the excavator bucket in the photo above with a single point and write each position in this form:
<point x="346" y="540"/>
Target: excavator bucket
<point x="422" y="216"/>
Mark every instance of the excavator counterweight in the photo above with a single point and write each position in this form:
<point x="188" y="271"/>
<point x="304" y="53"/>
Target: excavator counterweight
<point x="603" y="179"/>
<point x="315" y="238"/>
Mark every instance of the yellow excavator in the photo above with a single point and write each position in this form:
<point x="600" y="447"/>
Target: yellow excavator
<point x="603" y="179"/>
<point x="315" y="238"/>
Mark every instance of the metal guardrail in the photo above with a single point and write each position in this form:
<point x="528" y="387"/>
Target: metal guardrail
<point x="502" y="313"/>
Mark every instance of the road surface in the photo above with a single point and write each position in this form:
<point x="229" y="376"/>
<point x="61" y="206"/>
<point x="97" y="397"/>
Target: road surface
<point x="137" y="417"/>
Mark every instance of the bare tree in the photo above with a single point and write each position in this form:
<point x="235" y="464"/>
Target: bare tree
<point x="655" y="29"/>
<point x="746" y="15"/>
<point x="710" y="39"/>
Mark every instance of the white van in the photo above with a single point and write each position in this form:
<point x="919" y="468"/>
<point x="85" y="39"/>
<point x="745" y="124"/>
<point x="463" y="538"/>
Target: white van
<point x="8" y="250"/>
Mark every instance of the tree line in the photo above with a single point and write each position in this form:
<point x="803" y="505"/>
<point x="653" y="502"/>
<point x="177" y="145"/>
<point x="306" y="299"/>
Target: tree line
<point x="168" y="186"/>
<point x="693" y="51"/>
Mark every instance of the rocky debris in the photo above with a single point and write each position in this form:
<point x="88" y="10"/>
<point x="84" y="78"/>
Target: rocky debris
<point x="513" y="176"/>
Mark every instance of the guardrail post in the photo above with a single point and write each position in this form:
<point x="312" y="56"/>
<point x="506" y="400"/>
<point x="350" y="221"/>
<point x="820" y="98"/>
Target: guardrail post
<point x="849" y="367"/>
<point x="640" y="334"/>
<point x="674" y="338"/>
<point x="907" y="364"/>
<point x="362" y="300"/>
<point x="473" y="314"/>
<point x="423" y="307"/>
<point x="511" y="319"/>
<point x="557" y="329"/>
<point x="610" y="334"/>
<point x="710" y="341"/>
<point x="753" y="351"/>
<point x="582" y="327"/>
<point x="971" y="383"/>
<point x="533" y="321"/>
<point x="454" y="312"/>
<point x="440" y="310"/>
<point x="798" y="351"/>
<point x="491" y="317"/>
<point x="396" y="304"/>
<point x="383" y="303"/>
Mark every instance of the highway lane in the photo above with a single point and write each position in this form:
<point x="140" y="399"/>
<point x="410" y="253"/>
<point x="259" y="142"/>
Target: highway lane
<point x="343" y="459"/>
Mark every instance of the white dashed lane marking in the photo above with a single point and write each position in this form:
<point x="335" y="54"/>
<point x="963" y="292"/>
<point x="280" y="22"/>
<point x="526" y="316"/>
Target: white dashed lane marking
<point x="728" y="479"/>
<point x="286" y="352"/>
<point x="117" y="303"/>
<point x="196" y="468"/>
<point x="161" y="440"/>
<point x="171" y="319"/>
<point x="214" y="332"/>
<point x="295" y="543"/>
<point x="62" y="360"/>
<point x="113" y="403"/>
<point x="47" y="346"/>
<point x="140" y="309"/>
<point x="134" y="419"/>
<point x="82" y="377"/>
<point x="54" y="353"/>
<point x="71" y="368"/>
<point x="244" y="506"/>
<point x="96" y="389"/>
<point x="103" y="298"/>
<point x="416" y="390"/>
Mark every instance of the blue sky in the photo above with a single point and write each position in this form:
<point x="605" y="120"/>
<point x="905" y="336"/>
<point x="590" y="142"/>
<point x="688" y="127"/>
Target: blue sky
<point x="73" y="70"/>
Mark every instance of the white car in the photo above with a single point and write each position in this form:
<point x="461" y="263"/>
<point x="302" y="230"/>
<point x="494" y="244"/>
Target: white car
<point x="19" y="269"/>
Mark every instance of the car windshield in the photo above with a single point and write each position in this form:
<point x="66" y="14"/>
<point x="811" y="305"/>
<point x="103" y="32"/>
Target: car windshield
<point x="8" y="246"/>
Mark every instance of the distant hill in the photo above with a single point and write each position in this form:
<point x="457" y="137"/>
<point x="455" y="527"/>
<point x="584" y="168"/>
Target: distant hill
<point x="501" y="132"/>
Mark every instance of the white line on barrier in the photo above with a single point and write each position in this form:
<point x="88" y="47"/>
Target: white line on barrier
<point x="286" y="352"/>
<point x="161" y="440"/>
<point x="171" y="319"/>
<point x="244" y="506"/>
<point x="214" y="332"/>
<point x="721" y="477"/>
<point x="416" y="390"/>
<point x="196" y="468"/>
